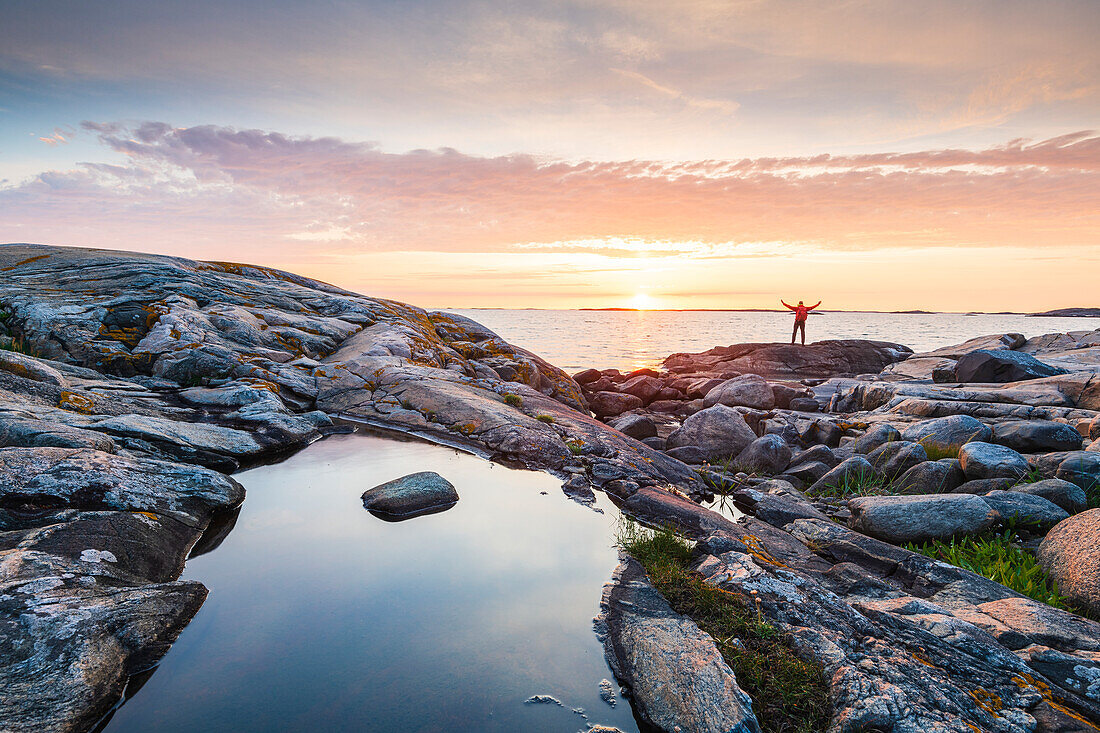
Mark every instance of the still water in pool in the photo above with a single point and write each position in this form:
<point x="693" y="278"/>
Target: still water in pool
<point x="322" y="617"/>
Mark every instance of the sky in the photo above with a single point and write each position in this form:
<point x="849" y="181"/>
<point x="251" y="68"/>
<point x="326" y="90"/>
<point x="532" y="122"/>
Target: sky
<point x="699" y="154"/>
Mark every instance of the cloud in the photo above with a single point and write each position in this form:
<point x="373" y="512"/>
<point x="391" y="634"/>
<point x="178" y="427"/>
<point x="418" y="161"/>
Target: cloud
<point x="211" y="184"/>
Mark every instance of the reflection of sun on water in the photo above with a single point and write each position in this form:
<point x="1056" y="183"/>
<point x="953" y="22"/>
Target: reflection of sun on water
<point x="643" y="302"/>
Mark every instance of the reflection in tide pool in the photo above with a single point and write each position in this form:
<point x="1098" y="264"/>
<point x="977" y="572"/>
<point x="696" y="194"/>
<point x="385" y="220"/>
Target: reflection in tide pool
<point x="323" y="618"/>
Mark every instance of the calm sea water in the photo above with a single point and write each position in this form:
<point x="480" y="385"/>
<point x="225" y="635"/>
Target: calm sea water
<point x="575" y="340"/>
<point x="322" y="617"/>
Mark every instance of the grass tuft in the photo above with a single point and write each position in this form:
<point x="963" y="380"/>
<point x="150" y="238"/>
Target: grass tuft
<point x="513" y="399"/>
<point x="999" y="558"/>
<point x="548" y="419"/>
<point x="939" y="452"/>
<point x="789" y="695"/>
<point x="862" y="483"/>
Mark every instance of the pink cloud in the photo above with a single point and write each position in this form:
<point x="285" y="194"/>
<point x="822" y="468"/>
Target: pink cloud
<point x="242" y="188"/>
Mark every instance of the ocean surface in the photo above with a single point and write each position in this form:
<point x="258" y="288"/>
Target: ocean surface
<point x="625" y="340"/>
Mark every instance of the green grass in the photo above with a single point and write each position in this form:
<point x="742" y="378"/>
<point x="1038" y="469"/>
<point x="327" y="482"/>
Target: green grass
<point x="1032" y="476"/>
<point x="999" y="558"/>
<point x="939" y="452"/>
<point x="513" y="399"/>
<point x="788" y="694"/>
<point x="862" y="483"/>
<point x="576" y="447"/>
<point x="549" y="419"/>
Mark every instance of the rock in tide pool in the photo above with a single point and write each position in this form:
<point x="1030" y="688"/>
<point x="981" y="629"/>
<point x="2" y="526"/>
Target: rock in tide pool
<point x="410" y="496"/>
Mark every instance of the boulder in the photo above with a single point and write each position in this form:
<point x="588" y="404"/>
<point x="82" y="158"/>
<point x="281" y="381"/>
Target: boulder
<point x="410" y="496"/>
<point x="655" y="443"/>
<point x="784" y="393"/>
<point x="896" y="457"/>
<point x="1001" y="366"/>
<point x="769" y="455"/>
<point x="821" y="359"/>
<point x="609" y="404"/>
<point x="1021" y="508"/>
<point x="1081" y="468"/>
<point x="804" y="404"/>
<point x="901" y="519"/>
<point x="875" y="436"/>
<point x="636" y="426"/>
<point x="643" y="386"/>
<point x="821" y="453"/>
<point x="674" y="671"/>
<point x="946" y="433"/>
<point x="848" y="471"/>
<point x="930" y="477"/>
<point x="718" y="431"/>
<point x="806" y="473"/>
<point x="686" y="453"/>
<point x="1094" y="428"/>
<point x="1070" y="553"/>
<point x="587" y="376"/>
<point x="983" y="486"/>
<point x="1036" y="436"/>
<point x="988" y="460"/>
<point x="748" y="390"/>
<point x="1068" y="496"/>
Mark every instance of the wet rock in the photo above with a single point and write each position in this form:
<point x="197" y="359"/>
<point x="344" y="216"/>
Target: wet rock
<point x="718" y="431"/>
<point x="610" y="404"/>
<point x="1068" y="496"/>
<point x="1025" y="509"/>
<point x="769" y="455"/>
<point x="986" y="460"/>
<point x="896" y="457"/>
<point x="1071" y="554"/>
<point x="876" y="435"/>
<point x="410" y="496"/>
<point x="675" y="673"/>
<point x="1036" y="436"/>
<point x="1001" y="366"/>
<point x="901" y="519"/>
<point x="748" y="390"/>
<point x="636" y="426"/>
<point x="930" y="477"/>
<point x="849" y="470"/>
<point x="607" y="692"/>
<point x="948" y="432"/>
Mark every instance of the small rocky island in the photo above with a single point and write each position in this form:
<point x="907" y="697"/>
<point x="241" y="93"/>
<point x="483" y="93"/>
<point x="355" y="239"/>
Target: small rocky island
<point x="132" y="386"/>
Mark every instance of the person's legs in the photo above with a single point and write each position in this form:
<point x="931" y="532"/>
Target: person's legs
<point x="801" y="325"/>
<point x="794" y="332"/>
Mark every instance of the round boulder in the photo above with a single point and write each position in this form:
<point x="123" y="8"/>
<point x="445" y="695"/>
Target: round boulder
<point x="609" y="404"/>
<point x="769" y="454"/>
<point x="1036" y="436"/>
<point x="946" y="433"/>
<point x="410" y="496"/>
<point x="900" y="519"/>
<point x="1001" y="366"/>
<point x="875" y="436"/>
<point x="1069" y="496"/>
<point x="636" y="426"/>
<point x="896" y="457"/>
<point x="1014" y="506"/>
<point x="748" y="390"/>
<point x="1071" y="554"/>
<point x="930" y="477"/>
<point x="718" y="431"/>
<point x="987" y="460"/>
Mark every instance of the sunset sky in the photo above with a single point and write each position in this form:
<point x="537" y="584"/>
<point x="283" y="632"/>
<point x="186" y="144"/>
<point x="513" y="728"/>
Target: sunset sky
<point x="711" y="154"/>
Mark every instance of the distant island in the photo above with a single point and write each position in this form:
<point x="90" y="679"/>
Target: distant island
<point x="1070" y="313"/>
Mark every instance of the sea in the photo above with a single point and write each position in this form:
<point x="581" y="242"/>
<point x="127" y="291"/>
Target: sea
<point x="627" y="340"/>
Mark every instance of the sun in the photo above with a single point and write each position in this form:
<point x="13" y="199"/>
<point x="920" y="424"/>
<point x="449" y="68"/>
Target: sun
<point x="643" y="302"/>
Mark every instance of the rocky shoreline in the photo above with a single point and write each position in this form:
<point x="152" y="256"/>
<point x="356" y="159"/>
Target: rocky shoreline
<point x="132" y="384"/>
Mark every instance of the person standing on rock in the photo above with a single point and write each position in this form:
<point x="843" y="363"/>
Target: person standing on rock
<point x="800" y="312"/>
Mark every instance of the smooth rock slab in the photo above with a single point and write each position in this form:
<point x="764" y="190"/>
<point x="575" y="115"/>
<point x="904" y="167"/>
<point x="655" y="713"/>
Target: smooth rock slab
<point x="988" y="460"/>
<point x="674" y="671"/>
<point x="411" y="496"/>
<point x="900" y="519"/>
<point x="1071" y="554"/>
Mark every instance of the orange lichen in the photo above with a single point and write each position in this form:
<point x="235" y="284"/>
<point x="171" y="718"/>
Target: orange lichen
<point x="23" y="262"/>
<point x="76" y="402"/>
<point x="759" y="552"/>
<point x="988" y="701"/>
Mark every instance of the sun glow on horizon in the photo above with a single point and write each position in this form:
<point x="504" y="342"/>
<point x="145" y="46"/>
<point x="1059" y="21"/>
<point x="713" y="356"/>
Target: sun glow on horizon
<point x="644" y="302"/>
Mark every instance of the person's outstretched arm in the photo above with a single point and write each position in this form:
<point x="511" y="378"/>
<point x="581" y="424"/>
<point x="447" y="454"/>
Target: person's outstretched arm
<point x="788" y="305"/>
<point x="813" y="306"/>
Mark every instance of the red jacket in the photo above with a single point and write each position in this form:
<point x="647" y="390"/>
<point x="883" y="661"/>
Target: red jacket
<point x="800" y="311"/>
